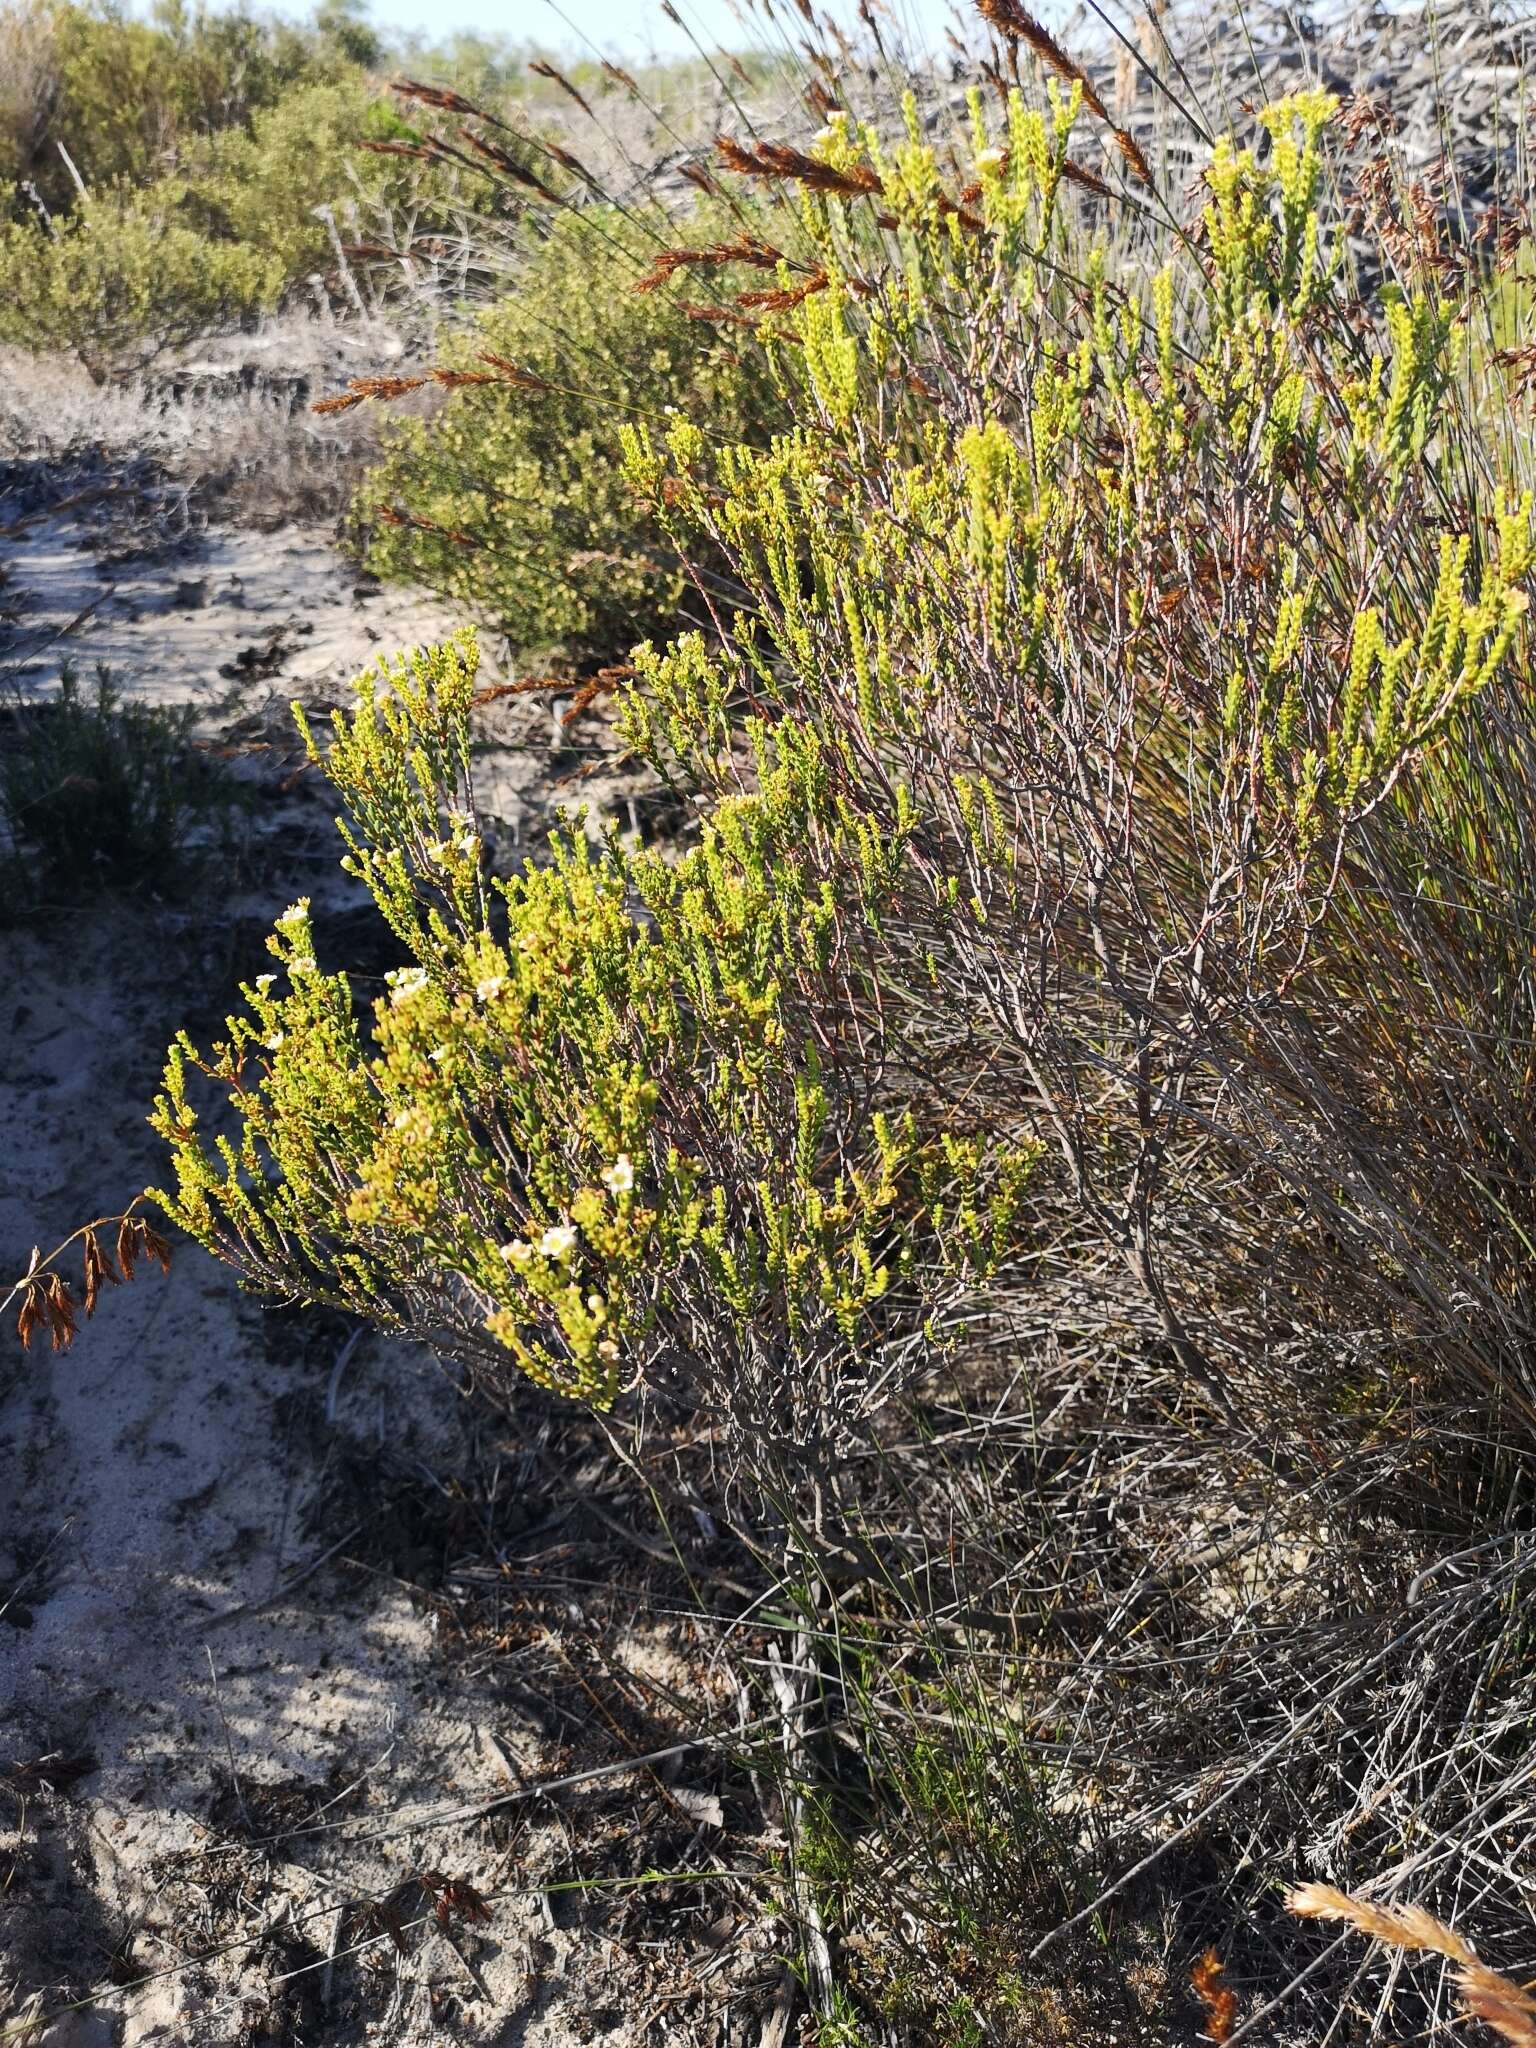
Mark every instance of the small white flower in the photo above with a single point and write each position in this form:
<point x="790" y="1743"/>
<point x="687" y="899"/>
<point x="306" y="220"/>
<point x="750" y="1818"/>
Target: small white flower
<point x="274" y="1043"/>
<point x="407" y="982"/>
<point x="302" y="963"/>
<point x="413" y="1121"/>
<point x="558" y="1242"/>
<point x="296" y="913"/>
<point x="438" y="1054"/>
<point x="619" y="1178"/>
<point x="991" y="159"/>
<point x="608" y="1349"/>
<point x="597" y="1308"/>
<point x="517" y="1253"/>
<point x="265" y="981"/>
<point x="488" y="990"/>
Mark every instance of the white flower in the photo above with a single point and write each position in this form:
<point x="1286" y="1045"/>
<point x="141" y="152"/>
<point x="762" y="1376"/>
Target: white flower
<point x="619" y="1178"/>
<point x="406" y="982"/>
<point x="413" y="1121"/>
<point x="558" y="1242"/>
<point x="265" y="981"/>
<point x="302" y="963"/>
<point x="608" y="1349"/>
<point x="275" y="1041"/>
<point x="517" y="1253"/>
<point x="296" y="913"/>
<point x="597" y="1308"/>
<point x="488" y="990"/>
<point x="991" y="159"/>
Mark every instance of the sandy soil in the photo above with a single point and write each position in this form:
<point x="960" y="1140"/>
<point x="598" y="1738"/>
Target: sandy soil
<point x="281" y="1610"/>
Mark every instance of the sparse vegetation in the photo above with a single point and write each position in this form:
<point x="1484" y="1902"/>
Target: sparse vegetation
<point x="102" y="795"/>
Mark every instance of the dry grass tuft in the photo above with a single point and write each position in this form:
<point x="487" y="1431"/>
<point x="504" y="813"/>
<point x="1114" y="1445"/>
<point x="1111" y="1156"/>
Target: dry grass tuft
<point x="1500" y="2003"/>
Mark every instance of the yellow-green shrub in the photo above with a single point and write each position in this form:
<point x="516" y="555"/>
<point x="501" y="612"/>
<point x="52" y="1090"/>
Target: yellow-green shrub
<point x="609" y="1123"/>
<point x="1090" y="635"/>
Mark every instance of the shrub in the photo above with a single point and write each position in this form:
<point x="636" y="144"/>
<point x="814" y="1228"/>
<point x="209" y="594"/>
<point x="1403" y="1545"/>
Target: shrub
<point x="1107" y="940"/>
<point x="123" y="278"/>
<point x="98" y="793"/>
<point x="125" y="96"/>
<point x="260" y="189"/>
<point x="609" y="1125"/>
<point x="1079" y="685"/>
<point x="515" y="502"/>
<point x="135" y="270"/>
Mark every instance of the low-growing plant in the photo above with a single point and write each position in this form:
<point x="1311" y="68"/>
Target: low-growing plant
<point x="99" y="794"/>
<point x="124" y="277"/>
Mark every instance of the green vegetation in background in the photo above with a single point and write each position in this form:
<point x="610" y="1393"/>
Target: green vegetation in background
<point x="526" y="515"/>
<point x="126" y="97"/>
<point x="99" y="794"/>
<point x="159" y="178"/>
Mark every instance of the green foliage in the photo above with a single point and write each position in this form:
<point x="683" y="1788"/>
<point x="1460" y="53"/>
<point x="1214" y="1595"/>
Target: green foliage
<point x="1047" y="593"/>
<point x="123" y="277"/>
<point x="98" y="794"/>
<point x="125" y="96"/>
<point x="1184" y="550"/>
<point x="134" y="269"/>
<point x="602" y="1126"/>
<point x="561" y="552"/>
<point x="259" y="189"/>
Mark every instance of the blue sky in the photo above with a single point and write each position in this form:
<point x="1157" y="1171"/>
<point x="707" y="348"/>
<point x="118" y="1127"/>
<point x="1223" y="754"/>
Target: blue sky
<point x="627" y="29"/>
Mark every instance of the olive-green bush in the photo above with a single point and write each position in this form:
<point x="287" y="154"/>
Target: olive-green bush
<point x="126" y="96"/>
<point x="526" y="515"/>
<point x="124" y="276"/>
<point x="133" y="269"/>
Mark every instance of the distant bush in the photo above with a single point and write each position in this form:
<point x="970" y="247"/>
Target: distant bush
<point x="516" y="501"/>
<point x="133" y="269"/>
<point x="125" y="96"/>
<point x="123" y="277"/>
<point x="99" y="793"/>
